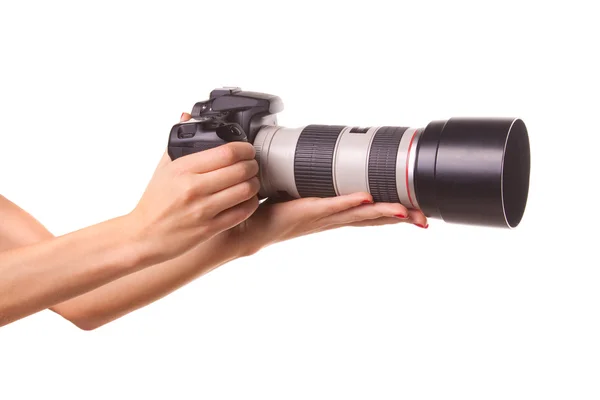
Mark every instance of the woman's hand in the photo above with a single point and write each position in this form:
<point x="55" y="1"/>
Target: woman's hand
<point x="193" y="198"/>
<point x="276" y="220"/>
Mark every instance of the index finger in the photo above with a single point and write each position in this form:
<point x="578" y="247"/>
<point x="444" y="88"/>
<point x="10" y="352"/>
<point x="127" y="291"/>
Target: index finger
<point x="216" y="158"/>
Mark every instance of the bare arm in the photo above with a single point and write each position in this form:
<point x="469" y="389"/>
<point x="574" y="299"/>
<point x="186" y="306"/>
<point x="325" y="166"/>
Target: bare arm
<point x="37" y="276"/>
<point x="116" y="299"/>
<point x="186" y="203"/>
<point x="119" y="297"/>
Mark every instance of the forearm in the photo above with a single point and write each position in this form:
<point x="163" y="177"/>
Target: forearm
<point x="127" y="293"/>
<point x="37" y="276"/>
<point x="139" y="289"/>
<point x="188" y="201"/>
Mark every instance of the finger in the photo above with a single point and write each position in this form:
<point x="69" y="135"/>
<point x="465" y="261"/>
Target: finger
<point x="231" y="196"/>
<point x="366" y="212"/>
<point x="185" y="117"/>
<point x="369" y="222"/>
<point x="418" y="218"/>
<point x="318" y="208"/>
<point x="414" y="215"/>
<point x="235" y="215"/>
<point x="216" y="158"/>
<point x="215" y="181"/>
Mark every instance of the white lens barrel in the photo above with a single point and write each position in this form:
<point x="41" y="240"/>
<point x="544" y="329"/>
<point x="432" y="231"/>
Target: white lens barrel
<point x="322" y="160"/>
<point x="350" y="161"/>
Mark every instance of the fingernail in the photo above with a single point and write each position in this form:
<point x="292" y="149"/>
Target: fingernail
<point x="422" y="226"/>
<point x="182" y="115"/>
<point x="366" y="202"/>
<point x="401" y="216"/>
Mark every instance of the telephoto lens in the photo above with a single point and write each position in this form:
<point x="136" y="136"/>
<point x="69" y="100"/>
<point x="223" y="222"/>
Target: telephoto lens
<point x="463" y="170"/>
<point x="471" y="171"/>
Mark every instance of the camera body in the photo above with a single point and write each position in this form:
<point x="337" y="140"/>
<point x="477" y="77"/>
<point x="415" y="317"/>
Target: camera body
<point x="229" y="115"/>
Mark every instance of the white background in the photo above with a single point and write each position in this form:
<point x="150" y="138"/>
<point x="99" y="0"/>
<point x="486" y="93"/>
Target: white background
<point x="89" y="91"/>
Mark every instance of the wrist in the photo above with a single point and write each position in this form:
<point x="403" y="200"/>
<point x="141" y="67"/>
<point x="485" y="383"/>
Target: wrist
<point x="138" y="252"/>
<point x="242" y="241"/>
<point x="227" y="246"/>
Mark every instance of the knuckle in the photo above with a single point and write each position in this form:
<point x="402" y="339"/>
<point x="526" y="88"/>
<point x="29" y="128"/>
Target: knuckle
<point x="247" y="189"/>
<point x="228" y="153"/>
<point x="199" y="214"/>
<point x="238" y="151"/>
<point x="250" y="187"/>
<point x="251" y="150"/>
<point x="251" y="168"/>
<point x="187" y="189"/>
<point x="244" y="170"/>
<point x="246" y="150"/>
<point x="254" y="166"/>
<point x="204" y="231"/>
<point x="255" y="182"/>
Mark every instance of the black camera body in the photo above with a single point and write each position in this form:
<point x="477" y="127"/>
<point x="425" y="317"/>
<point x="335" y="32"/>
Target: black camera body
<point x="229" y="115"/>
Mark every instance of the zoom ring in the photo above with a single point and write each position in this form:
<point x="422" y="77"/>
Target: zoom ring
<point x="313" y="160"/>
<point x="382" y="164"/>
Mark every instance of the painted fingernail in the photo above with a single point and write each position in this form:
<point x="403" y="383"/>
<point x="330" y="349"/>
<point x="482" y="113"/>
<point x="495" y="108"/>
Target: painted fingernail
<point x="422" y="226"/>
<point x="182" y="115"/>
<point x="366" y="202"/>
<point x="401" y="216"/>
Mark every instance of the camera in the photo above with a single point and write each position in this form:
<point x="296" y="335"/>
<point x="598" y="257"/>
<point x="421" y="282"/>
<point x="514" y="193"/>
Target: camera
<point x="472" y="171"/>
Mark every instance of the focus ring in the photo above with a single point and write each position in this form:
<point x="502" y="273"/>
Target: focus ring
<point x="313" y="160"/>
<point x="382" y="164"/>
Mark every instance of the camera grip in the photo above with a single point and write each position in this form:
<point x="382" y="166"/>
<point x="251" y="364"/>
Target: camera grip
<point x="195" y="136"/>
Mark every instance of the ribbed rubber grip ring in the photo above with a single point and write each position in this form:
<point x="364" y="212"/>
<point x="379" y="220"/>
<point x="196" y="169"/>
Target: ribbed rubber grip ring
<point x="382" y="164"/>
<point x="313" y="160"/>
